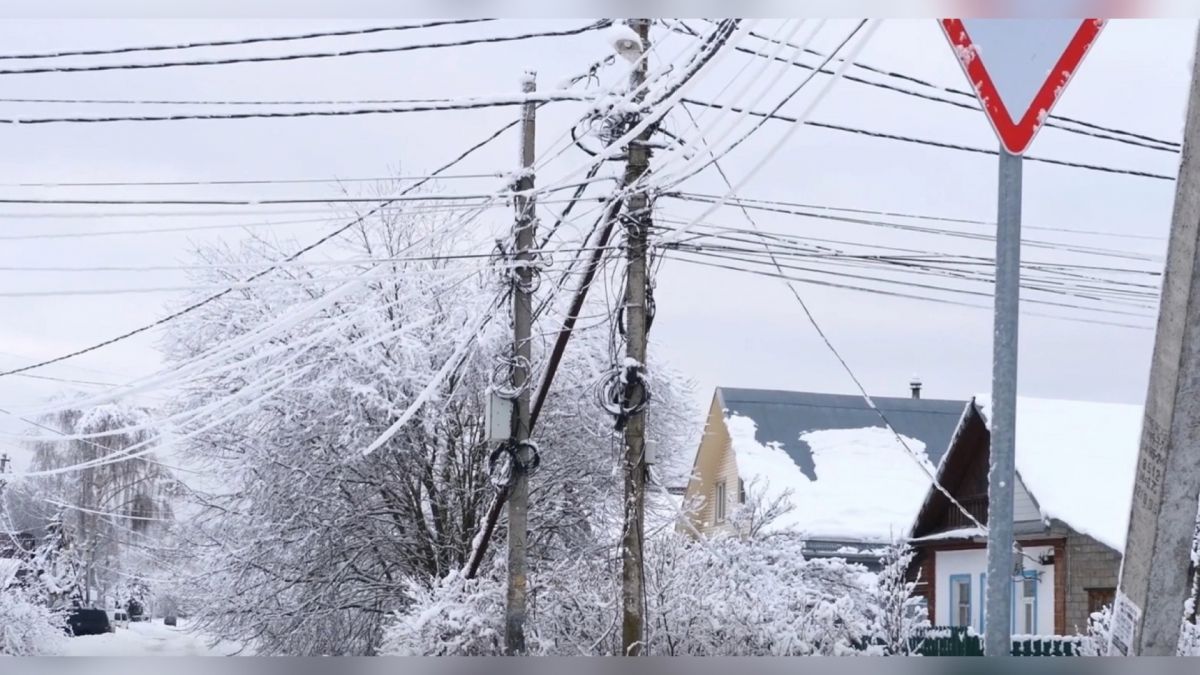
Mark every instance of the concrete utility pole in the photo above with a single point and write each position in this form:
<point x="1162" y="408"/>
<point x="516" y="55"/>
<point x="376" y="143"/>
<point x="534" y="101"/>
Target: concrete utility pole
<point x="518" y="501"/>
<point x="1002" y="474"/>
<point x="1154" y="571"/>
<point x="637" y="226"/>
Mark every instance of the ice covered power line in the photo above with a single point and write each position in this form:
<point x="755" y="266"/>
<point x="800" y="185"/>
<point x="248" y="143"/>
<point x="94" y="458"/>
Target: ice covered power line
<point x="271" y="201"/>
<point x="258" y="275"/>
<point x="676" y="255"/>
<point x="352" y="32"/>
<point x="331" y="180"/>
<point x="496" y="39"/>
<point x="969" y="101"/>
<point x="936" y="144"/>
<point x="905" y="214"/>
<point x="301" y="264"/>
<point x="766" y="157"/>
<point x="268" y="270"/>
<point x="432" y="106"/>
<point x="1061" y="122"/>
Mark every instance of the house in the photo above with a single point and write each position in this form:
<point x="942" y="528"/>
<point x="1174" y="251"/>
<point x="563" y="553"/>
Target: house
<point x="849" y="483"/>
<point x="1075" y="465"/>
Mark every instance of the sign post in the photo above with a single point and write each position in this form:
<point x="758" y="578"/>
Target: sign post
<point x="1149" y="605"/>
<point x="1018" y="69"/>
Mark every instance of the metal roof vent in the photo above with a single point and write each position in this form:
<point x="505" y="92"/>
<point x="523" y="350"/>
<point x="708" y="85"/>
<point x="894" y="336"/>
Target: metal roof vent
<point x="915" y="385"/>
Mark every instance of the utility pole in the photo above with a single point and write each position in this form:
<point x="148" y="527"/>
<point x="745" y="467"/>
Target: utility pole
<point x="637" y="226"/>
<point x="1154" y="583"/>
<point x="1002" y="474"/>
<point x="518" y="502"/>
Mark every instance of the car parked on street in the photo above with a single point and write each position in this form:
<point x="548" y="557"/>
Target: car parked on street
<point x="88" y="621"/>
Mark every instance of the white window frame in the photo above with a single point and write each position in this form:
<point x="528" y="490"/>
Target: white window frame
<point x="722" y="503"/>
<point x="1022" y="602"/>
<point x="956" y="599"/>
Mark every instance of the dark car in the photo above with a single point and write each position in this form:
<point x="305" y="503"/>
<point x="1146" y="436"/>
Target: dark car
<point x="88" y="621"/>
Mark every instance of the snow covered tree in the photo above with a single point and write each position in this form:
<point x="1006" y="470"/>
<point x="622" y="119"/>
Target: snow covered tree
<point x="900" y="613"/>
<point x="303" y="542"/>
<point x="56" y="567"/>
<point x="27" y="626"/>
<point x="115" y="502"/>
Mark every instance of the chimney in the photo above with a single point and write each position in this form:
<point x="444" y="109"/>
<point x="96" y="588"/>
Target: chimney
<point x="915" y="385"/>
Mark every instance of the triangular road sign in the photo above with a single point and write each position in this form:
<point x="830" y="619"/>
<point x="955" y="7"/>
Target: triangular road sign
<point x="1019" y="68"/>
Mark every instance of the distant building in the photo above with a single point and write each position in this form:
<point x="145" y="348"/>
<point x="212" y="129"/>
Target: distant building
<point x="1075" y="465"/>
<point x="848" y="484"/>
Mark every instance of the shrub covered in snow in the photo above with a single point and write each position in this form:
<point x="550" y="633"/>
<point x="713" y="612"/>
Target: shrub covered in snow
<point x="29" y="628"/>
<point x="724" y="596"/>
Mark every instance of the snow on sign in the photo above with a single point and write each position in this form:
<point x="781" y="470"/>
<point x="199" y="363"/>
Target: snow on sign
<point x="1020" y="67"/>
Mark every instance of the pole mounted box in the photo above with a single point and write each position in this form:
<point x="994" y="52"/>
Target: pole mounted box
<point x="498" y="414"/>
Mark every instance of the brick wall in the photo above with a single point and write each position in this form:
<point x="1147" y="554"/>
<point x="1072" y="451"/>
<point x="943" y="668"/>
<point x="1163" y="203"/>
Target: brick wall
<point x="1090" y="564"/>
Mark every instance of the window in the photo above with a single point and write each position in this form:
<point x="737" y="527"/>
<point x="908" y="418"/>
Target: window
<point x="1099" y="597"/>
<point x="720" y="501"/>
<point x="1024" y="609"/>
<point x="960" y="599"/>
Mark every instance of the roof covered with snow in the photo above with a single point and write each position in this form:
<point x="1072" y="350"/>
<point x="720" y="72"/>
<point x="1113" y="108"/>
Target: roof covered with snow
<point x="846" y="476"/>
<point x="1078" y="459"/>
<point x="783" y="417"/>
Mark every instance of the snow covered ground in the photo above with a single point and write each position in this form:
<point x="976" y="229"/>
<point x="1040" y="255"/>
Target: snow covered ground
<point x="146" y="639"/>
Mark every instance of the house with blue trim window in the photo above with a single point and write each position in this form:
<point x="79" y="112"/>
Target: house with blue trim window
<point x="1075" y="467"/>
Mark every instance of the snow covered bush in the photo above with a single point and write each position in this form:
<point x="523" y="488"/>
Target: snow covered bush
<point x="456" y="616"/>
<point x="1189" y="639"/>
<point x="724" y="596"/>
<point x="27" y="627"/>
<point x="1095" y="638"/>
<point x="900" y="615"/>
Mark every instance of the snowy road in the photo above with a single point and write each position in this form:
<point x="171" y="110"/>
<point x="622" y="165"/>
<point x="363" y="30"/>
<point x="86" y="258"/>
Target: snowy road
<point x="145" y="639"/>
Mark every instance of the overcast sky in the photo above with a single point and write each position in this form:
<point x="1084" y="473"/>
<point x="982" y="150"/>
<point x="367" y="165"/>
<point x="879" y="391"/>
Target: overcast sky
<point x="718" y="327"/>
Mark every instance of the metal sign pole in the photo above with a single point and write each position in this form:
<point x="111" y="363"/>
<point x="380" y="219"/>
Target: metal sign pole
<point x="1002" y="473"/>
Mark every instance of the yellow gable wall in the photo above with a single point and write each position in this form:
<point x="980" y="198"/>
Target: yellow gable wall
<point x="714" y="462"/>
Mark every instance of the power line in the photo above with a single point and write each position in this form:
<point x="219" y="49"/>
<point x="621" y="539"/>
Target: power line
<point x="244" y="181"/>
<point x="897" y="294"/>
<point x="311" y="55"/>
<point x="216" y="296"/>
<point x="272" y="201"/>
<point x="913" y="284"/>
<point x="936" y="144"/>
<point x="1037" y="243"/>
<point x="902" y="214"/>
<point x="281" y="264"/>
<point x="1055" y="121"/>
<point x="240" y="41"/>
<point x="449" y="104"/>
<point x="221" y="102"/>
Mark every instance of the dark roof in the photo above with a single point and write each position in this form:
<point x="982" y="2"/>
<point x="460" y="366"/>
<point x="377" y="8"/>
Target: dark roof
<point x="782" y="416"/>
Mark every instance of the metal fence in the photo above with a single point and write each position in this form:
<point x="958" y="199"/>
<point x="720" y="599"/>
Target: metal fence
<point x="964" y="641"/>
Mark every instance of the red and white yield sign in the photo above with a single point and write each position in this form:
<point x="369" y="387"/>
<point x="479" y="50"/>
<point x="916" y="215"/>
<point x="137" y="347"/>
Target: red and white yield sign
<point x="1020" y="67"/>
